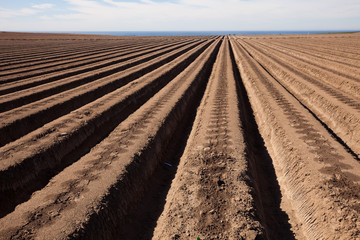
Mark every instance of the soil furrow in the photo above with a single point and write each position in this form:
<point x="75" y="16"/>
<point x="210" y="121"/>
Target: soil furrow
<point x="179" y="137"/>
<point x="321" y="49"/>
<point x="267" y="190"/>
<point x="211" y="197"/>
<point x="93" y="73"/>
<point x="20" y="121"/>
<point x="67" y="63"/>
<point x="59" y="75"/>
<point x="141" y="220"/>
<point x="90" y="52"/>
<point x="74" y="134"/>
<point x="320" y="77"/>
<point x="337" y="68"/>
<point x="330" y="131"/>
<point x="55" y="55"/>
<point x="16" y="66"/>
<point x="83" y="47"/>
<point x="324" y="55"/>
<point x="340" y="113"/>
<point x="345" y="45"/>
<point x="105" y="183"/>
<point x="65" y="51"/>
<point x="288" y="129"/>
<point x="35" y="73"/>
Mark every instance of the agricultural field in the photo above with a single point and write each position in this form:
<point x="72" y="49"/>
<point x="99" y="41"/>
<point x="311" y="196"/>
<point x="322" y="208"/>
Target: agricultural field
<point x="179" y="137"/>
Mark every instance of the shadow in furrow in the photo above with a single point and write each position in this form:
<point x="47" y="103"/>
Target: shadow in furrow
<point x="18" y="102"/>
<point x="31" y="122"/>
<point x="267" y="193"/>
<point x="86" y="138"/>
<point x="125" y="196"/>
<point x="60" y="76"/>
<point x="141" y="221"/>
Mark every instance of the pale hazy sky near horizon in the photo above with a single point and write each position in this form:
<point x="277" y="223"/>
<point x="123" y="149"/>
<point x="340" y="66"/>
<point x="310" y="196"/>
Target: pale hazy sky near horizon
<point x="178" y="15"/>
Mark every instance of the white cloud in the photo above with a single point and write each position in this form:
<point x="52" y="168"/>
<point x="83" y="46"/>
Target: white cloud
<point x="207" y="14"/>
<point x="45" y="18"/>
<point x="9" y="13"/>
<point x="43" y="6"/>
<point x="75" y="16"/>
<point x="35" y="9"/>
<point x="177" y="15"/>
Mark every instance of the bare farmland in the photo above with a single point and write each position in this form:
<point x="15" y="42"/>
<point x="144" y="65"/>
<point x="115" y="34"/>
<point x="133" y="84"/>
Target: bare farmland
<point x="216" y="137"/>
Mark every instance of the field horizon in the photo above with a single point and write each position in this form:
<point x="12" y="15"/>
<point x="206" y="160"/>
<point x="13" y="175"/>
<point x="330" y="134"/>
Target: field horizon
<point x="194" y="33"/>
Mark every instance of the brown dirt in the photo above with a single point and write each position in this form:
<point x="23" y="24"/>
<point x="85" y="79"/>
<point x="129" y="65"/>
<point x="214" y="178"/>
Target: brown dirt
<point x="210" y="137"/>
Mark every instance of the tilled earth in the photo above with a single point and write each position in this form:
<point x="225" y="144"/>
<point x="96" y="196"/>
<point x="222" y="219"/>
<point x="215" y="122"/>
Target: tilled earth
<point x="179" y="137"/>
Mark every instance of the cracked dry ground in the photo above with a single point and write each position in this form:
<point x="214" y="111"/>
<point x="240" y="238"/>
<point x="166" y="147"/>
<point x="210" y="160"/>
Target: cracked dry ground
<point x="179" y="137"/>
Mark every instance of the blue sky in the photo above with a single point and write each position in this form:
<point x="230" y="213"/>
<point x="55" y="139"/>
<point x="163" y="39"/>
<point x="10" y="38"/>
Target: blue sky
<point x="178" y="15"/>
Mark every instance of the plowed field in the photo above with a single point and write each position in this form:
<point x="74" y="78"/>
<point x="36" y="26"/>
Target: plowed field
<point x="210" y="137"/>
